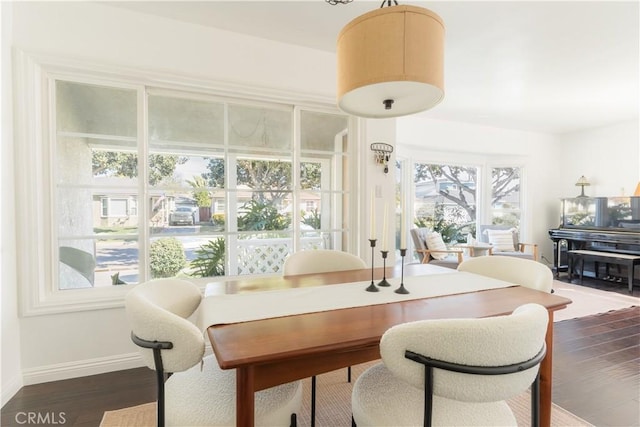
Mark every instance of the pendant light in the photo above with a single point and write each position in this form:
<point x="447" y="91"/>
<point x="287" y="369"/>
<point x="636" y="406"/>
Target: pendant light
<point x="390" y="62"/>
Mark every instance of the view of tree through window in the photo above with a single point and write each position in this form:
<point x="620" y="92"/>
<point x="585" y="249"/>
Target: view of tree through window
<point x="505" y="196"/>
<point x="221" y="191"/>
<point x="446" y="198"/>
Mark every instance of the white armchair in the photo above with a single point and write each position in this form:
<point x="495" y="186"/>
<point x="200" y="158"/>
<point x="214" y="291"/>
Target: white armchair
<point x="430" y="246"/>
<point x="453" y="372"/>
<point x="505" y="241"/>
<point x="194" y="395"/>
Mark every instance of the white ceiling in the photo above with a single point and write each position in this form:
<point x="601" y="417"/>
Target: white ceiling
<point x="547" y="66"/>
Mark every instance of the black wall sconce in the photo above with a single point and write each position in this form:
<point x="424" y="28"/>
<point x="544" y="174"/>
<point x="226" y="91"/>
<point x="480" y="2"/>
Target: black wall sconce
<point x="382" y="152"/>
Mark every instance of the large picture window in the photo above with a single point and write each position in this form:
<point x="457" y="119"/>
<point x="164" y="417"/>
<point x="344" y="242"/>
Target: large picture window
<point x="454" y="199"/>
<point x="150" y="182"/>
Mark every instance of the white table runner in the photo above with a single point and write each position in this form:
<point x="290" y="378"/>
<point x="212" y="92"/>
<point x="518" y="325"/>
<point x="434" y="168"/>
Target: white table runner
<point x="234" y="308"/>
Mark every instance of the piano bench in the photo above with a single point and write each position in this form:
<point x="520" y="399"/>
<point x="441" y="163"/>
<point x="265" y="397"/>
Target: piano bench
<point x="580" y="256"/>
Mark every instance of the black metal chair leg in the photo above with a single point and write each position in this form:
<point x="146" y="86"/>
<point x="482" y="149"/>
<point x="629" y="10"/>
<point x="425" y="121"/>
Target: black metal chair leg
<point x="294" y="420"/>
<point x="353" y="422"/>
<point x="535" y="402"/>
<point x="313" y="401"/>
<point x="160" y="408"/>
<point x="349" y="374"/>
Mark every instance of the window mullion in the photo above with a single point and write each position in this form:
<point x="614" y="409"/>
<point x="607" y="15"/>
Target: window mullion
<point x="143" y="184"/>
<point x="295" y="178"/>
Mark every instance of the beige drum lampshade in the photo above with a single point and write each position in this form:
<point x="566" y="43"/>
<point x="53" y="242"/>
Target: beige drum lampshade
<point x="390" y="62"/>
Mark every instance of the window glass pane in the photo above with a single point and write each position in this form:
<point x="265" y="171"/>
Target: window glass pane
<point x="117" y="260"/>
<point x="311" y="175"/>
<point x="177" y="214"/>
<point x="77" y="266"/>
<point x="185" y="256"/>
<point x="264" y="211"/>
<point x="75" y="212"/>
<point x="185" y="168"/>
<point x="311" y="210"/>
<point x="445" y="199"/>
<point x="323" y="179"/>
<point x="322" y="132"/>
<point x="88" y="263"/>
<point x="505" y="196"/>
<point x="184" y="194"/>
<point x="185" y="124"/>
<point x="259" y="128"/>
<point x="92" y="109"/>
<point x="196" y="174"/>
<point x="96" y="171"/>
<point x="206" y="256"/>
<point x="271" y="175"/>
<point x="315" y="240"/>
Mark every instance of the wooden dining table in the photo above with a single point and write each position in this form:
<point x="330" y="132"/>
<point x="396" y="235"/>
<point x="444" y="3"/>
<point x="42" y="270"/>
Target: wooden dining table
<point x="273" y="351"/>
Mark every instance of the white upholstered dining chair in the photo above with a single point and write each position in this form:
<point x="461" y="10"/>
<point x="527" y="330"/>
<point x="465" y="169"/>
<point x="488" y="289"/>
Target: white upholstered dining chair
<point x="453" y="372"/>
<point x="197" y="392"/>
<point x="524" y="272"/>
<point x="320" y="261"/>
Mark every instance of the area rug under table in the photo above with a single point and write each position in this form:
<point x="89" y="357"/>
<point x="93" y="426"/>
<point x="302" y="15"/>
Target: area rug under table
<point x="333" y="406"/>
<point x="588" y="301"/>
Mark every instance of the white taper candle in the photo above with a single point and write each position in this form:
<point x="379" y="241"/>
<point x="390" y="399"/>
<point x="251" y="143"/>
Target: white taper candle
<point x="372" y="233"/>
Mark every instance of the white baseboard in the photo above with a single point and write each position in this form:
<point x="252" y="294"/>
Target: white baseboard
<point x="81" y="368"/>
<point x="10" y="388"/>
<point x="75" y="369"/>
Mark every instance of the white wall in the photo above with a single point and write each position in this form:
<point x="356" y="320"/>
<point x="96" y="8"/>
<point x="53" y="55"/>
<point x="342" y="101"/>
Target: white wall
<point x="10" y="368"/>
<point x="87" y="30"/>
<point x="609" y="157"/>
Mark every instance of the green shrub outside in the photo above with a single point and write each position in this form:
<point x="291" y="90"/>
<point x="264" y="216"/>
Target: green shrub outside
<point x="209" y="259"/>
<point x="256" y="215"/>
<point x="311" y="219"/>
<point x="218" y="219"/>
<point x="166" y="257"/>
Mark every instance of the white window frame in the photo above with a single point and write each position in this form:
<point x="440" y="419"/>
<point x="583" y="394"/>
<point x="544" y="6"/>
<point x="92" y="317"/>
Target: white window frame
<point x="35" y="189"/>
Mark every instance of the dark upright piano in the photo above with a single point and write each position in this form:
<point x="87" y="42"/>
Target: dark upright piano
<point x="605" y="224"/>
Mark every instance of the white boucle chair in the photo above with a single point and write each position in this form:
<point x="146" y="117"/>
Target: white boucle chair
<point x="492" y="359"/>
<point x="320" y="261"/>
<point x="195" y="394"/>
<point x="524" y="272"/>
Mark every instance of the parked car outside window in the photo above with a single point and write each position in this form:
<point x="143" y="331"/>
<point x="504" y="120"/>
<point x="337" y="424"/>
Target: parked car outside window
<point x="182" y="215"/>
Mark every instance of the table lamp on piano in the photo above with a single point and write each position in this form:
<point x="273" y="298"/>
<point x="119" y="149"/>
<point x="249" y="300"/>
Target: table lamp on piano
<point x="582" y="182"/>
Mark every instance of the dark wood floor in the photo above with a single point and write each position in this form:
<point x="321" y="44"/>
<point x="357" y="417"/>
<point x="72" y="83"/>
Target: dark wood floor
<point x="596" y="376"/>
